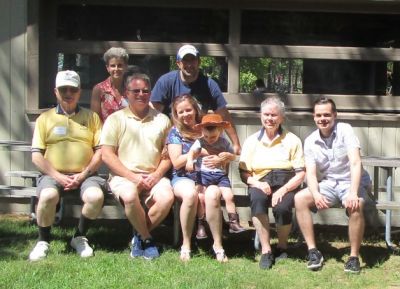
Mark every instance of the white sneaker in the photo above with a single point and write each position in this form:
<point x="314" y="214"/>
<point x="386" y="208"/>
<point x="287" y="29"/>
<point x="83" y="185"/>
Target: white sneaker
<point x="81" y="245"/>
<point x="39" y="252"/>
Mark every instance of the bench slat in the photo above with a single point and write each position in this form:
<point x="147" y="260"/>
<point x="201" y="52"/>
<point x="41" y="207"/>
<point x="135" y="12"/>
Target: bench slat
<point x="22" y="174"/>
<point x="388" y="205"/>
<point x="17" y="191"/>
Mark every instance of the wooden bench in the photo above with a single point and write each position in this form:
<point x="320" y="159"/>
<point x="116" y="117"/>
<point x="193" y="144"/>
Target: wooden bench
<point x="29" y="192"/>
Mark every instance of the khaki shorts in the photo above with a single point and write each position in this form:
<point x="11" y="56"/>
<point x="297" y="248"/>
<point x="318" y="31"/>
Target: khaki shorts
<point x="119" y="185"/>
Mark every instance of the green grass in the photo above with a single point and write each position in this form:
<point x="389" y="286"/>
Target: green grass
<point x="112" y="268"/>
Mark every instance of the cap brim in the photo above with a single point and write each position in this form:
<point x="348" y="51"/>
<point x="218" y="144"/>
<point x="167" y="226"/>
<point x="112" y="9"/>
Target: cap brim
<point x="67" y="83"/>
<point x="224" y="124"/>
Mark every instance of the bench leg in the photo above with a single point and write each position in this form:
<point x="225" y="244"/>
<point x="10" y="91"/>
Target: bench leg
<point x="60" y="212"/>
<point x="33" y="209"/>
<point x="177" y="223"/>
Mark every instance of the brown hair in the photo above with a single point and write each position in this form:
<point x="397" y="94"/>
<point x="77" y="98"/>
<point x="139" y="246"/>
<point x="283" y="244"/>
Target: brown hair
<point x="186" y="132"/>
<point x="325" y="100"/>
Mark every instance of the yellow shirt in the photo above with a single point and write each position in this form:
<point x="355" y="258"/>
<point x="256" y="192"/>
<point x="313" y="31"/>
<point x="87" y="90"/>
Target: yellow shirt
<point x="259" y="157"/>
<point x="68" y="142"/>
<point x="139" y="142"/>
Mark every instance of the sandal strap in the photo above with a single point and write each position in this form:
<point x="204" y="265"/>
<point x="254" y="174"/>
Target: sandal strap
<point x="185" y="251"/>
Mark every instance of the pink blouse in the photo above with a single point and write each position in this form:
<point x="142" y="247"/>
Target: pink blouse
<point x="108" y="101"/>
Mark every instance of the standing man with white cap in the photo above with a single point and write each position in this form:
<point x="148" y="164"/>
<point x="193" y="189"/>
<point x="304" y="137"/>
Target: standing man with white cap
<point x="190" y="80"/>
<point x="65" y="149"/>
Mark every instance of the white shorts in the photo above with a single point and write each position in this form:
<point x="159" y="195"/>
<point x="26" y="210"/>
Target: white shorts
<point x="119" y="185"/>
<point x="336" y="192"/>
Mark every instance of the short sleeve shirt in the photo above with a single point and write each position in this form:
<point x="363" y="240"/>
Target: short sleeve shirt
<point x="205" y="90"/>
<point x="221" y="145"/>
<point x="175" y="137"/>
<point x="68" y="141"/>
<point x="331" y="155"/>
<point x="139" y="142"/>
<point x="258" y="158"/>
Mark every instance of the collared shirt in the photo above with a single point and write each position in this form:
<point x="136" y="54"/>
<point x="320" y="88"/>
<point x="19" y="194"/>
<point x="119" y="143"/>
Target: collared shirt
<point x="108" y="100"/>
<point x="331" y="155"/>
<point x="67" y="141"/>
<point x="139" y="142"/>
<point x="260" y="157"/>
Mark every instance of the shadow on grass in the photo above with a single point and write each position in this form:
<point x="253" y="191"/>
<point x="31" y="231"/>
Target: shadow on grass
<point x="333" y="243"/>
<point x="17" y="234"/>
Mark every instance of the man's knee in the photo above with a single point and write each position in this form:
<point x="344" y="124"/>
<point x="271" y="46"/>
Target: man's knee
<point x="129" y="198"/>
<point x="93" y="196"/>
<point x="49" y="197"/>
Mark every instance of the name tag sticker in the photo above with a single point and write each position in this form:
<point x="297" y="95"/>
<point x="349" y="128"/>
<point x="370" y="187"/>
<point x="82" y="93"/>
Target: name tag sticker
<point x="60" y="130"/>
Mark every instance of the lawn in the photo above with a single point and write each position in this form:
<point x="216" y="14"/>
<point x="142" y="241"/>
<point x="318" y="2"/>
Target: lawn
<point x="112" y="267"/>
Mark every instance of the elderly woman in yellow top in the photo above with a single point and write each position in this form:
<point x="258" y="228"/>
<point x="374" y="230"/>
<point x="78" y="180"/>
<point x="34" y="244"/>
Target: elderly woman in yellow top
<point x="272" y="165"/>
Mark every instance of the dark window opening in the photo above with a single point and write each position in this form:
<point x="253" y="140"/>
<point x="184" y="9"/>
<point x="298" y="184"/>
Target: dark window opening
<point x="143" y="24"/>
<point x="316" y="28"/>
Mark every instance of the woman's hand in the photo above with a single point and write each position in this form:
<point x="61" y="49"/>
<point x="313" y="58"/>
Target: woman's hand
<point x="212" y="161"/>
<point x="278" y="196"/>
<point x="263" y="186"/>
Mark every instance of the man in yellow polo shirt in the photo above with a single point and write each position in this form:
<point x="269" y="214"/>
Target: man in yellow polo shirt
<point x="132" y="143"/>
<point x="65" y="148"/>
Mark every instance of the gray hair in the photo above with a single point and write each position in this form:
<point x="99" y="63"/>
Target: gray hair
<point x="132" y="75"/>
<point x="116" y="52"/>
<point x="275" y="101"/>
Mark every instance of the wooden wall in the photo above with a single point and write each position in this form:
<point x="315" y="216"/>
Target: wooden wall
<point x="14" y="124"/>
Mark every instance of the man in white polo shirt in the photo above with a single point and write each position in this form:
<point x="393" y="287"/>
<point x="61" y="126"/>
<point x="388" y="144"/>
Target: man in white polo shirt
<point x="132" y="143"/>
<point x="334" y="176"/>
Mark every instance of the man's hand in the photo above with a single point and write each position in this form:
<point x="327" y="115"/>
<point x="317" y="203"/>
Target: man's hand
<point x="65" y="181"/>
<point x="151" y="180"/>
<point x="75" y="181"/>
<point x="320" y="201"/>
<point x="352" y="202"/>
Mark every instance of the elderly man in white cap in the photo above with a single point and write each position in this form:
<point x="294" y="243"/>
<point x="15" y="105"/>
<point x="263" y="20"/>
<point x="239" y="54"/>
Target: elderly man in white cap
<point x="190" y="80"/>
<point x="65" y="148"/>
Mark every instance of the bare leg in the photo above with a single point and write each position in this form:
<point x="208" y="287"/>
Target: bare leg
<point x="303" y="201"/>
<point x="356" y="230"/>
<point x="283" y="235"/>
<point x="228" y="196"/>
<point x="46" y="208"/>
<point x="261" y="223"/>
<point x="135" y="213"/>
<point x="187" y="192"/>
<point x="163" y="198"/>
<point x="93" y="199"/>
<point x="213" y="214"/>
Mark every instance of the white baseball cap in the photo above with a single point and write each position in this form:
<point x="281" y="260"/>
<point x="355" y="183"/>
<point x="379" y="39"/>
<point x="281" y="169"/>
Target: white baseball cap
<point x="187" y="49"/>
<point x="68" y="78"/>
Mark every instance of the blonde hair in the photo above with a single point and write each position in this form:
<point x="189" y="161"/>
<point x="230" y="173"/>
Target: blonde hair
<point x="187" y="132"/>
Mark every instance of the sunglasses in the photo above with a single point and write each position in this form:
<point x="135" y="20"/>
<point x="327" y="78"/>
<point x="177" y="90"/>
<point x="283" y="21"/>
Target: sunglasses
<point x="137" y="91"/>
<point x="65" y="89"/>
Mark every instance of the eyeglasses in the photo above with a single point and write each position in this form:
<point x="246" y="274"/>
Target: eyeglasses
<point x="65" y="89"/>
<point x="137" y="91"/>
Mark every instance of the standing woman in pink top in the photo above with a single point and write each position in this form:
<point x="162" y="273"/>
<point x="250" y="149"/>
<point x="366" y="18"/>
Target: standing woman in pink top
<point x="108" y="96"/>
